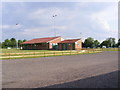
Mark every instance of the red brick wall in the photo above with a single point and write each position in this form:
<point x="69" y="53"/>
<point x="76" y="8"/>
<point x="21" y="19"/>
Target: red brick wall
<point x="59" y="46"/>
<point x="43" y="46"/>
<point x="70" y="46"/>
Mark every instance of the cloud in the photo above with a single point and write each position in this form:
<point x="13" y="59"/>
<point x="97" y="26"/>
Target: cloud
<point x="101" y="23"/>
<point x="106" y="19"/>
<point x="37" y="32"/>
<point x="78" y="19"/>
<point x="86" y="18"/>
<point x="10" y="26"/>
<point x="45" y="15"/>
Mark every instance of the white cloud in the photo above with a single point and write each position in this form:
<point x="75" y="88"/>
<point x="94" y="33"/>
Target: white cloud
<point x="101" y="24"/>
<point x="106" y="19"/>
<point x="10" y="26"/>
<point x="69" y="22"/>
<point x="45" y="16"/>
<point x="37" y="32"/>
<point x="75" y="21"/>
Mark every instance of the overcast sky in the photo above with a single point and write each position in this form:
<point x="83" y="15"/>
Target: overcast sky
<point x="35" y="20"/>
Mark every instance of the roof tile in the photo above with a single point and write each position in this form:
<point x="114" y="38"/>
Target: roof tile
<point x="40" y="40"/>
<point x="69" y="41"/>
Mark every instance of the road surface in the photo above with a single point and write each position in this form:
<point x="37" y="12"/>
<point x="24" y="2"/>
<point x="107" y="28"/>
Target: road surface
<point x="77" y="71"/>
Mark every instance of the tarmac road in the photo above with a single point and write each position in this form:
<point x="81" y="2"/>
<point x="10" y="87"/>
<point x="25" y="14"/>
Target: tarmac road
<point x="98" y="70"/>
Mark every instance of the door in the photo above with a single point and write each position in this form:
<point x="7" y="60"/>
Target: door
<point x="73" y="46"/>
<point x="66" y="46"/>
<point x="63" y="46"/>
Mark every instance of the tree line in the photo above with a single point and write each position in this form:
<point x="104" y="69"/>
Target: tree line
<point x="13" y="43"/>
<point x="109" y="42"/>
<point x="88" y="43"/>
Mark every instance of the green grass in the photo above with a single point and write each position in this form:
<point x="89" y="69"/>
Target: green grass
<point x="110" y="49"/>
<point x="48" y="53"/>
<point x="22" y="51"/>
<point x="45" y="56"/>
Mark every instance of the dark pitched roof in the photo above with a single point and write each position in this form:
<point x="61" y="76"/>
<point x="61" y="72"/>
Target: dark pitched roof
<point x="69" y="41"/>
<point x="40" y="40"/>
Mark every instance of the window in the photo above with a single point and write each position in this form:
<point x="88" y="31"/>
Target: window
<point x="78" y="44"/>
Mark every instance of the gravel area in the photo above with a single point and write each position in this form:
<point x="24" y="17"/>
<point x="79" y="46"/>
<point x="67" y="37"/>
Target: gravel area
<point x="76" y="71"/>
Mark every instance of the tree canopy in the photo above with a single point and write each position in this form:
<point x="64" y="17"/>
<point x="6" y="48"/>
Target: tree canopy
<point x="89" y="42"/>
<point x="109" y="42"/>
<point x="13" y="43"/>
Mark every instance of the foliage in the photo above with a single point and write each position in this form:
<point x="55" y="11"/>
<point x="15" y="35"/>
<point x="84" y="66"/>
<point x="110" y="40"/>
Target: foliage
<point x="0" y="44"/>
<point x="104" y="43"/>
<point x="109" y="42"/>
<point x="89" y="42"/>
<point x="6" y="43"/>
<point x="24" y="40"/>
<point x="11" y="43"/>
<point x="96" y="43"/>
<point x="19" y="42"/>
<point x="118" y="43"/>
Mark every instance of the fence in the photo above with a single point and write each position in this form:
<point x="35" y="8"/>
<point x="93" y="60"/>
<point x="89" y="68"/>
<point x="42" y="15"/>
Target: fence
<point x="46" y="54"/>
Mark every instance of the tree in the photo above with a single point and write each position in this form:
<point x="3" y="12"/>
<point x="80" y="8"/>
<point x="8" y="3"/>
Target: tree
<point x="118" y="42"/>
<point x="89" y="42"/>
<point x="24" y="40"/>
<point x="13" y="42"/>
<point x="111" y="41"/>
<point x="83" y="44"/>
<point x="0" y="44"/>
<point x="6" y="43"/>
<point x="104" y="43"/>
<point x="19" y="42"/>
<point x="96" y="43"/>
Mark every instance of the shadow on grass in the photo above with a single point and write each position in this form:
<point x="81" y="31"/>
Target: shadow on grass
<point x="109" y="80"/>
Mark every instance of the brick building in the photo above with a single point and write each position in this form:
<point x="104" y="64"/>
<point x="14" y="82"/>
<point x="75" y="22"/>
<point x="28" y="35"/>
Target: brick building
<point x="42" y="43"/>
<point x="70" y="44"/>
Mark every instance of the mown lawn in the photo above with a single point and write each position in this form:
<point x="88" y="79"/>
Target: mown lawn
<point x="110" y="49"/>
<point x="22" y="51"/>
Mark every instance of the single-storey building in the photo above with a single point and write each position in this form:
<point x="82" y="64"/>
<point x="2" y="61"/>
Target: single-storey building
<point x="70" y="44"/>
<point x="42" y="43"/>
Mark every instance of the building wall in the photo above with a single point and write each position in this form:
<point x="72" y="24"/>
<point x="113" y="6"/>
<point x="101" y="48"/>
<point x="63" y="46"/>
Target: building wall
<point x="59" y="46"/>
<point x="70" y="46"/>
<point x="40" y="46"/>
<point x="43" y="46"/>
<point x="65" y="46"/>
<point x="46" y="46"/>
<point x="78" y="45"/>
<point x="55" y="41"/>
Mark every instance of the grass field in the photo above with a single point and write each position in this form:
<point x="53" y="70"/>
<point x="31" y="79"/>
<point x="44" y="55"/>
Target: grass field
<point x="17" y="53"/>
<point x="21" y="51"/>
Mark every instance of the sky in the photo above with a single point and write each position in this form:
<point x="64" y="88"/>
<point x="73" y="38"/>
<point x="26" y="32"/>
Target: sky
<point x="98" y="20"/>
